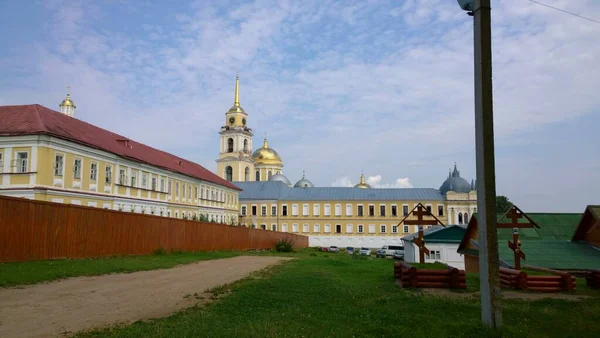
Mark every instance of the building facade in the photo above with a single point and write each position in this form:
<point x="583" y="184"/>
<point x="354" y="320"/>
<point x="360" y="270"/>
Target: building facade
<point x="52" y="156"/>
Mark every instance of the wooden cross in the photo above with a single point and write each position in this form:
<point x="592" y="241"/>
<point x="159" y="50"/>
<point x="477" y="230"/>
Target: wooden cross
<point x="513" y="214"/>
<point x="420" y="242"/>
<point x="420" y="210"/>
<point x="515" y="245"/>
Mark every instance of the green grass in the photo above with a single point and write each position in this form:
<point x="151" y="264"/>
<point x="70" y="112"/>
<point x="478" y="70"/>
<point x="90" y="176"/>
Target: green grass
<point x="21" y="273"/>
<point x="334" y="295"/>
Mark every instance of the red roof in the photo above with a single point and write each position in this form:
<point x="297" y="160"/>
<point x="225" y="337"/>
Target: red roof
<point x="35" y="119"/>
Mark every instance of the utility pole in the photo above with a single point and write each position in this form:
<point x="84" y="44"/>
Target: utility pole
<point x="486" y="176"/>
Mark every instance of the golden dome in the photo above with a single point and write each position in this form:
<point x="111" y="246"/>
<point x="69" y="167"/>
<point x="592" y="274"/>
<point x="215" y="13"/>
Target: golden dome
<point x="67" y="102"/>
<point x="362" y="184"/>
<point x="236" y="108"/>
<point x="266" y="155"/>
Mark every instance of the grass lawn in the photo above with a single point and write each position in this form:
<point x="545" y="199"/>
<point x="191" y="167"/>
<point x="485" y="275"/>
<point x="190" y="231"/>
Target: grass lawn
<point x="21" y="273"/>
<point x="336" y="295"/>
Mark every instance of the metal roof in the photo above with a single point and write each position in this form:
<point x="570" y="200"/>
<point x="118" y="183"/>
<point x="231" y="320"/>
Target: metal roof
<point x="557" y="254"/>
<point x="440" y="234"/>
<point x="278" y="190"/>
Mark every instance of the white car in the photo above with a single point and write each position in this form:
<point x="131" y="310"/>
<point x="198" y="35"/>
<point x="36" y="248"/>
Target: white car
<point x="364" y="252"/>
<point x="334" y="248"/>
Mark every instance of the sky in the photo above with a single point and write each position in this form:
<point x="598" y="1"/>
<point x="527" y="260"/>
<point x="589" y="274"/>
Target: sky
<point x="341" y="87"/>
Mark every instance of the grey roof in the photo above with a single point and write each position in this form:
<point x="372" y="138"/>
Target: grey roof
<point x="304" y="183"/>
<point x="270" y="190"/>
<point x="278" y="190"/>
<point x="280" y="178"/>
<point x="455" y="183"/>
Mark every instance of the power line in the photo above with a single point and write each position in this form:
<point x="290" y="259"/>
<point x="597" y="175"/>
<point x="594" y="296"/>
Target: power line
<point x="562" y="10"/>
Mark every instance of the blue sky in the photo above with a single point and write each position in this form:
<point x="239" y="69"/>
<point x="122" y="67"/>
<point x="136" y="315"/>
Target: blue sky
<point x="384" y="87"/>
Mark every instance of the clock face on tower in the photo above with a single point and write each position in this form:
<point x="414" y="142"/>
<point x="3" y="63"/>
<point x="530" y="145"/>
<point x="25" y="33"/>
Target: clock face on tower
<point x="244" y="121"/>
<point x="231" y="120"/>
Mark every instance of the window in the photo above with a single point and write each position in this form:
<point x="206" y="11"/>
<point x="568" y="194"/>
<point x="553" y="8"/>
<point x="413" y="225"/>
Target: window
<point x="196" y="192"/>
<point x="317" y="228"/>
<point x="284" y="227"/>
<point x="294" y="227"/>
<point x="338" y="228"/>
<point x="122" y="176"/>
<point x="382" y="210"/>
<point x="1" y="163"/>
<point x="229" y="173"/>
<point x="394" y="210"/>
<point x="284" y="210"/>
<point x="460" y="218"/>
<point x="348" y="209"/>
<point x="349" y="228"/>
<point x="133" y="178"/>
<point x="371" y="210"/>
<point x="327" y="211"/>
<point x="247" y="174"/>
<point x="273" y="210"/>
<point x="177" y="189"/>
<point x="361" y="229"/>
<point x="263" y="210"/>
<point x="273" y="227"/>
<point x="305" y="228"/>
<point x="169" y="187"/>
<point x="254" y="210"/>
<point x="405" y="230"/>
<point x="108" y="171"/>
<point x="145" y="182"/>
<point x="263" y="226"/>
<point x="327" y="228"/>
<point x="338" y="210"/>
<point x="257" y="176"/>
<point x="405" y="210"/>
<point x="382" y="229"/>
<point x="58" y="165"/>
<point x="371" y="228"/>
<point x="243" y="210"/>
<point x="154" y="183"/>
<point x="162" y="185"/>
<point x="440" y="210"/>
<point x="22" y="162"/>
<point x="466" y="218"/>
<point x="230" y="145"/>
<point x="360" y="211"/>
<point x="434" y="254"/>
<point x="394" y="229"/>
<point x="305" y="210"/>
<point x="245" y="145"/>
<point x="429" y="209"/>
<point x="94" y="171"/>
<point x="294" y="209"/>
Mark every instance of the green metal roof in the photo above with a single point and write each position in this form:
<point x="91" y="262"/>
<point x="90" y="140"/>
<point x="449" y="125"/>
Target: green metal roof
<point x="557" y="254"/>
<point x="552" y="226"/>
<point x="439" y="234"/>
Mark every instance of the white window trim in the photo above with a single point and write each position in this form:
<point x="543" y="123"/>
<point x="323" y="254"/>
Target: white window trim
<point x="443" y="211"/>
<point x="295" y="228"/>
<point x="62" y="165"/>
<point x="95" y="179"/>
<point x="372" y="229"/>
<point x="294" y="209"/>
<point x="394" y="229"/>
<point x="273" y="227"/>
<point x="327" y="210"/>
<point x="407" y="209"/>
<point x="1" y="161"/>
<point x="348" y="209"/>
<point x="391" y="208"/>
<point x="284" y="227"/>
<point x="369" y="208"/>
<point x="305" y="228"/>
<point x="273" y="206"/>
<point x="317" y="228"/>
<point x="305" y="208"/>
<point x="263" y="207"/>
<point x="316" y="209"/>
<point x="405" y="229"/>
<point x="327" y="229"/>
<point x="385" y="208"/>
<point x="18" y="165"/>
<point x="108" y="174"/>
<point x="287" y="211"/>
<point x="360" y="228"/>
<point x="363" y="210"/>
<point x="244" y="210"/>
<point x="338" y="210"/>
<point x="430" y="207"/>
<point x="349" y="228"/>
<point x="383" y="228"/>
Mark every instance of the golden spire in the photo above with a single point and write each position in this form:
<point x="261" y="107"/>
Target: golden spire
<point x="265" y="144"/>
<point x="362" y="178"/>
<point x="236" y="103"/>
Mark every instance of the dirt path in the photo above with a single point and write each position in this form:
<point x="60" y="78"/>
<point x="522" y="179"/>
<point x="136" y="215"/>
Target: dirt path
<point x="75" y="304"/>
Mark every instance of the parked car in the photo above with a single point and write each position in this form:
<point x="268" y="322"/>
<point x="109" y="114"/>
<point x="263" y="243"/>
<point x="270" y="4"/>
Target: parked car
<point x="324" y="248"/>
<point x="390" y="249"/>
<point x="380" y="253"/>
<point x="334" y="248"/>
<point x="364" y="252"/>
<point x="350" y="250"/>
<point x="398" y="255"/>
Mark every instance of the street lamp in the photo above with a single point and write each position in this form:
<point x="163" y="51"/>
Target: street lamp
<point x="484" y="153"/>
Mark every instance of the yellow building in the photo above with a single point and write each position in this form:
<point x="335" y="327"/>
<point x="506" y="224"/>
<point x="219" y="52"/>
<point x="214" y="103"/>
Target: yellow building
<point x="357" y="216"/>
<point x="52" y="156"/>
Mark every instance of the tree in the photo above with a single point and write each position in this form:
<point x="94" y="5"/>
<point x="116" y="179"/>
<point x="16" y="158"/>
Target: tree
<point x="502" y="204"/>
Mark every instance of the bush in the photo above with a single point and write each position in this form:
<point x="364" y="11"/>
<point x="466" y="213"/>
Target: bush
<point x="159" y="252"/>
<point x="284" y="245"/>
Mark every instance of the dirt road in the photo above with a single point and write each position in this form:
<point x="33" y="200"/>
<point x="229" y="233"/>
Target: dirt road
<point x="75" y="304"/>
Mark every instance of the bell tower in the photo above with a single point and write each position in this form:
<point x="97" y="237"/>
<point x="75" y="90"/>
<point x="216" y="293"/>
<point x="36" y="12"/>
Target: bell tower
<point x="235" y="154"/>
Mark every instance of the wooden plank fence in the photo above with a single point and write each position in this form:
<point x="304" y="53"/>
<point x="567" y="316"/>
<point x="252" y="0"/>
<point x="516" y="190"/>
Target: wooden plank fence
<point x="592" y="279"/>
<point x="409" y="276"/>
<point x="557" y="281"/>
<point x="39" y="230"/>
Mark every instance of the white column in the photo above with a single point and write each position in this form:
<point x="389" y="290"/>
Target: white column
<point x="8" y="152"/>
<point x="449" y="215"/>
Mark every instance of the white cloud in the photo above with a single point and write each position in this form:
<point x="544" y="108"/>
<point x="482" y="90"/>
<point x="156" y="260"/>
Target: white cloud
<point x="374" y="182"/>
<point x="343" y="182"/>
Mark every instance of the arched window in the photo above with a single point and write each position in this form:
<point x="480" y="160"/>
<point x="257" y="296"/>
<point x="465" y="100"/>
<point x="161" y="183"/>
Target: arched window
<point x="245" y="145"/>
<point x="466" y="218"/>
<point x="230" y="145"/>
<point x="229" y="173"/>
<point x="247" y="174"/>
<point x="270" y="174"/>
<point x="257" y="176"/>
<point x="460" y="218"/>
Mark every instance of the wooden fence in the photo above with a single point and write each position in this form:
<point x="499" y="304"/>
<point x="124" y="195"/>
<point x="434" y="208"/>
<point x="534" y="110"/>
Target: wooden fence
<point x="38" y="230"/>
<point x="409" y="276"/>
<point x="592" y="279"/>
<point x="557" y="281"/>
